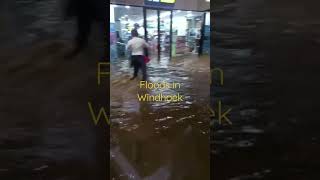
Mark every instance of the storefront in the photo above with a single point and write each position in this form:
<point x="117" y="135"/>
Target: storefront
<point x="170" y="32"/>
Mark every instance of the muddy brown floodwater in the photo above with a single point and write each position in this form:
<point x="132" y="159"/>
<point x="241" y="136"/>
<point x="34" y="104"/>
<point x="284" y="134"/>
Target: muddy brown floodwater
<point x="269" y="51"/>
<point x="161" y="140"/>
<point x="46" y="131"/>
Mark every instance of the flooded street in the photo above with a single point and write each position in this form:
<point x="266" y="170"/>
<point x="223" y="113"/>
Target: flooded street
<point x="268" y="50"/>
<point x="45" y="117"/>
<point x="27" y="21"/>
<point x="46" y="130"/>
<point x="161" y="140"/>
<point x="269" y="53"/>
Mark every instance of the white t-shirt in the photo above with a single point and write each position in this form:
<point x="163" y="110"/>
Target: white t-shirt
<point x="137" y="45"/>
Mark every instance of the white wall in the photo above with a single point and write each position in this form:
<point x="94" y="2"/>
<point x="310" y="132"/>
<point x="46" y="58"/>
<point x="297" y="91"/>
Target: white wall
<point x="203" y="5"/>
<point x="208" y="19"/>
<point x="187" y="4"/>
<point x="197" y="5"/>
<point x="112" y="19"/>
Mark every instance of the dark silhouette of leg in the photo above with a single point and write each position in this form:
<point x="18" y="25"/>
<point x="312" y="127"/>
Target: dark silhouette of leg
<point x="136" y="66"/>
<point x="143" y="68"/>
<point x="82" y="37"/>
<point x="84" y="29"/>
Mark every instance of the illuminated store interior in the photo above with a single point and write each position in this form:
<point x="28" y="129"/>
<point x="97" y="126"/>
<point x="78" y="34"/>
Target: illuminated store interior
<point x="170" y="33"/>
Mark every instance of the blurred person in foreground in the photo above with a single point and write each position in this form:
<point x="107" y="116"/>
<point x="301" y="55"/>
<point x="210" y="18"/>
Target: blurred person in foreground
<point x="86" y="13"/>
<point x="138" y="47"/>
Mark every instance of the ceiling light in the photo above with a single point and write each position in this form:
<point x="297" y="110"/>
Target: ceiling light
<point x="162" y="15"/>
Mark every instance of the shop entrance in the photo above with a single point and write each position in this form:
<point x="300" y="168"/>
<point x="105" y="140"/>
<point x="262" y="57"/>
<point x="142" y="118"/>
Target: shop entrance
<point x="158" y="30"/>
<point x="171" y="33"/>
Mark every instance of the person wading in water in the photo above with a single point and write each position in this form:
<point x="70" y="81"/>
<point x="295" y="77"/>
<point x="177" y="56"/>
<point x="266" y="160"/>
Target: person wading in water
<point x="137" y="46"/>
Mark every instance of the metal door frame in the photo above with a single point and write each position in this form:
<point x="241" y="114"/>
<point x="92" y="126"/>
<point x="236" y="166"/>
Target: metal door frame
<point x="158" y="17"/>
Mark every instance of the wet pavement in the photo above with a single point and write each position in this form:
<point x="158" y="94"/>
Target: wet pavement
<point x="46" y="130"/>
<point x="161" y="140"/>
<point x="269" y="53"/>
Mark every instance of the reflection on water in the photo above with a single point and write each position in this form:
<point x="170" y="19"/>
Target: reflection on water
<point x="45" y="126"/>
<point x="268" y="51"/>
<point x="162" y="140"/>
<point x="27" y="21"/>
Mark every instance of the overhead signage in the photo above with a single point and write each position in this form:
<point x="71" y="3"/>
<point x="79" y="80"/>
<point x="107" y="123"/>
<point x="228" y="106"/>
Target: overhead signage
<point x="160" y="3"/>
<point x="168" y="1"/>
